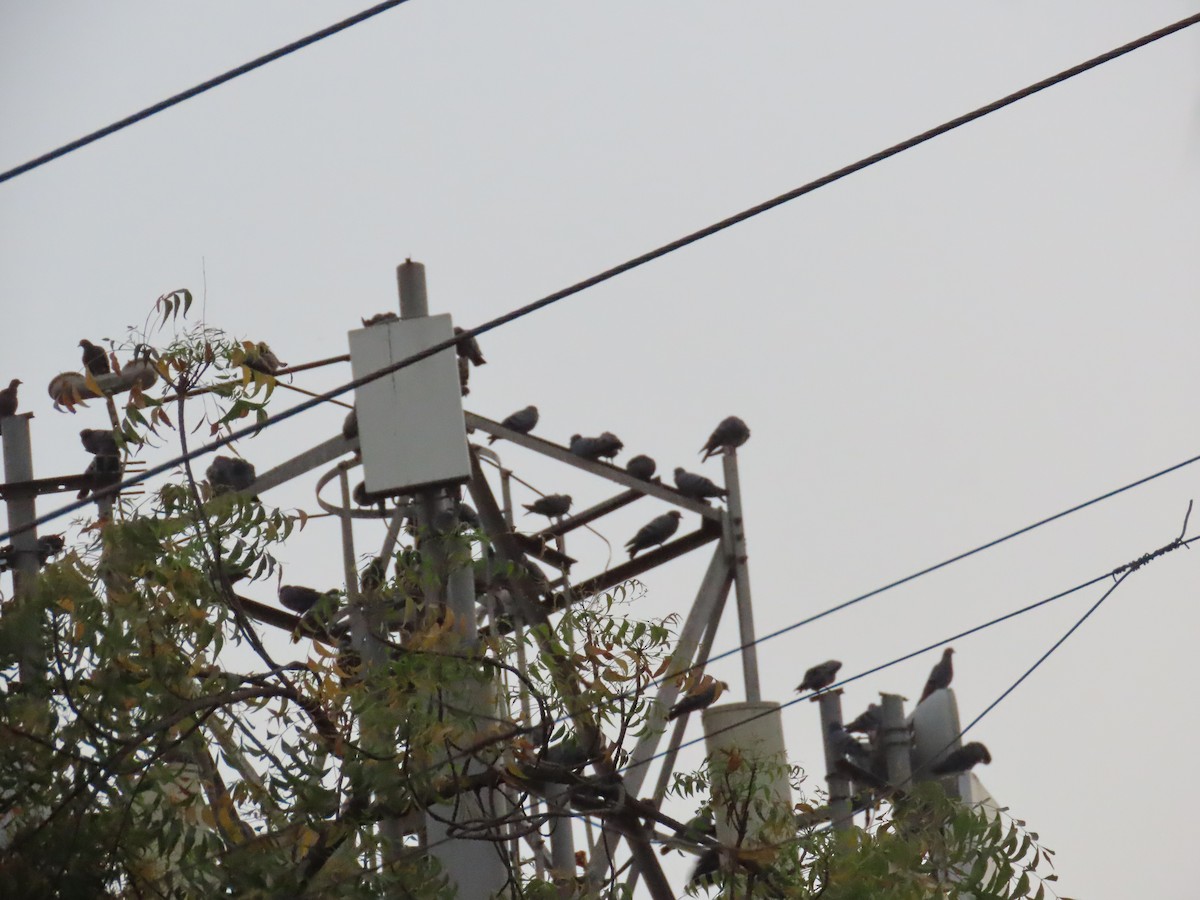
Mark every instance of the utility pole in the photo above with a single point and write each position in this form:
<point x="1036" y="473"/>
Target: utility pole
<point x="841" y="810"/>
<point x="22" y="512"/>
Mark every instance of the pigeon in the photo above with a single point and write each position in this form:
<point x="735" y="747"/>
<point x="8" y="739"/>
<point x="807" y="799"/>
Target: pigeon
<point x="469" y="347"/>
<point x="701" y="698"/>
<point x="522" y="422"/>
<point x="467" y="515"/>
<point x="697" y="486"/>
<point x="551" y="506"/>
<point x="611" y="445"/>
<point x="869" y="721"/>
<point x="962" y="759"/>
<point x="818" y="677"/>
<point x="49" y="545"/>
<point x="605" y="446"/>
<point x="350" y="425"/>
<point x="707" y="866"/>
<point x="654" y="532"/>
<point x="8" y="399"/>
<point x="847" y="745"/>
<point x="99" y="442"/>
<point x="941" y="676"/>
<point x="373" y="575"/>
<point x="379" y="318"/>
<point x="464" y="376"/>
<point x="731" y="433"/>
<point x="228" y="473"/>
<point x="261" y="359"/>
<point x="95" y="360"/>
<point x="641" y="467"/>
<point x="299" y="599"/>
<point x="102" y="472"/>
<point x="694" y="830"/>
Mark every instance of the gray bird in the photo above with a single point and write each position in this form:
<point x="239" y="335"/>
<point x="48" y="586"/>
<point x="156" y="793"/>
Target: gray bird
<point x="379" y="318"/>
<point x="941" y="675"/>
<point x="606" y="445"/>
<point x="467" y="515"/>
<point x="350" y="425"/>
<point x="102" y="472"/>
<point x="962" y="759"/>
<point x="642" y="467"/>
<point x="847" y="745"/>
<point x="700" y="699"/>
<point x="469" y="347"/>
<point x="819" y="676"/>
<point x="49" y="545"/>
<point x="99" y="442"/>
<point x="551" y="506"/>
<point x="522" y="422"/>
<point x="228" y="473"/>
<point x="300" y="599"/>
<point x="262" y="359"/>
<point x="611" y="445"/>
<point x="464" y="376"/>
<point x="654" y="532"/>
<point x="731" y="433"/>
<point x="697" y="486"/>
<point x="868" y="721"/>
<point x="8" y="399"/>
<point x="95" y="360"/>
<point x="374" y="575"/>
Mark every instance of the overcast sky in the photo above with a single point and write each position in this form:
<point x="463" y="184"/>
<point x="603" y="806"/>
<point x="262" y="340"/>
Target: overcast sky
<point x="976" y="334"/>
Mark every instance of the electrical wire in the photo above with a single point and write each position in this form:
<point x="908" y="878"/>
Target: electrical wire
<point x="626" y="266"/>
<point x="198" y="89"/>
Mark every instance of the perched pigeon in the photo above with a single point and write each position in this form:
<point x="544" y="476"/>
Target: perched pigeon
<point x="694" y="830"/>
<point x="552" y="505"/>
<point x="99" y="442"/>
<point x="8" y="399"/>
<point x="522" y="422"/>
<point x="611" y="445"/>
<point x="373" y="575"/>
<point x="701" y="698"/>
<point x="697" y="486"/>
<point x="606" y="446"/>
<point x="818" y="677"/>
<point x="467" y="515"/>
<point x="707" y="865"/>
<point x="95" y="360"/>
<point x="228" y="473"/>
<point x="469" y="348"/>
<point x="102" y="472"/>
<point x="642" y="467"/>
<point x="350" y="425"/>
<point x="49" y="545"/>
<point x="300" y="599"/>
<point x="654" y="532"/>
<point x="847" y="745"/>
<point x="731" y="433"/>
<point x="962" y="759"/>
<point x="941" y="676"/>
<point x="869" y="721"/>
<point x="380" y="318"/>
<point x="261" y="359"/>
<point x="464" y="376"/>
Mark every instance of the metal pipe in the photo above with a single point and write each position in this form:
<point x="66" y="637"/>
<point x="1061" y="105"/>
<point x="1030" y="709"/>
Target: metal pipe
<point x="22" y="513"/>
<point x="736" y="546"/>
<point x="897" y="745"/>
<point x="841" y="813"/>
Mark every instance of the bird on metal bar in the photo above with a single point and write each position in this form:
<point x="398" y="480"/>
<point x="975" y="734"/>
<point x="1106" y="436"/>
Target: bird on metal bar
<point x="730" y="434"/>
<point x="697" y="486"/>
<point x="606" y="446"/>
<point x="654" y="532"/>
<point x="703" y="696"/>
<point x="845" y="744"/>
<point x="95" y="360"/>
<point x="551" y="506"/>
<point x="941" y="675"/>
<point x="469" y="347"/>
<point x="298" y="598"/>
<point x="49" y="545"/>
<point x="869" y="721"/>
<point x="228" y="473"/>
<point x="102" y="472"/>
<point x="262" y="359"/>
<point x="99" y="442"/>
<point x="8" y="399"/>
<point x="962" y="759"/>
<point x="522" y="421"/>
<point x="641" y="466"/>
<point x="819" y="676"/>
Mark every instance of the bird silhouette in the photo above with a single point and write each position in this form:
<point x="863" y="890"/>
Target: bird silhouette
<point x="941" y="675"/>
<point x="819" y="676"/>
<point x="551" y="506"/>
<point x="228" y="474"/>
<point x="697" y="486"/>
<point x="641" y="466"/>
<point x="8" y="399"/>
<point x="731" y="433"/>
<point x="703" y="696"/>
<point x="522" y="421"/>
<point x="962" y="760"/>
<point x="95" y="360"/>
<point x="654" y="532"/>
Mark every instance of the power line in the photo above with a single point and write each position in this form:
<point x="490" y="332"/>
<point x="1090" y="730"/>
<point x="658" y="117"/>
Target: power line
<point x="198" y="89"/>
<point x="634" y="263"/>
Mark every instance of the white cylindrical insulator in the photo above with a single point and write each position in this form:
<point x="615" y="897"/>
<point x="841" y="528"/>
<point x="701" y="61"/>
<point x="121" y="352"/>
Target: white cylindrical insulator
<point x="747" y="761"/>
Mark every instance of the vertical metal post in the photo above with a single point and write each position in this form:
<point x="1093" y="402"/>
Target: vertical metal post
<point x="897" y="745"/>
<point x="22" y="511"/>
<point x="840" y="810"/>
<point x="735" y="539"/>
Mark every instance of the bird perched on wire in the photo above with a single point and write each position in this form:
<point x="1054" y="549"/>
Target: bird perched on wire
<point x="869" y="721"/>
<point x="705" y="694"/>
<point x="730" y="434"/>
<point x="8" y="399"/>
<point x="469" y="347"/>
<point x="941" y="675"/>
<point x="102" y="472"/>
<point x="962" y="759"/>
<point x="697" y="486"/>
<point x="522" y="421"/>
<point x="229" y="473"/>
<point x="260" y="358"/>
<point x="606" y="446"/>
<point x="641" y="466"/>
<point x="95" y="360"/>
<point x="99" y="442"/>
<point x="654" y="532"/>
<point x="819" y="676"/>
<point x="551" y="506"/>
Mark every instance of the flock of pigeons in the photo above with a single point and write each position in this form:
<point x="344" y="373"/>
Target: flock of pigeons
<point x="730" y="434"/>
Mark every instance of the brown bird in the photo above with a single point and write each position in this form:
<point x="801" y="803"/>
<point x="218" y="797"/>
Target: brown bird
<point x="654" y="532"/>
<point x="99" y="442"/>
<point x="8" y="399"/>
<point x="469" y="347"/>
<point x="704" y="696"/>
<point x="552" y="506"/>
<point x="962" y="759"/>
<point x="730" y="434"/>
<point x="102" y="472"/>
<point x="95" y="360"/>
<point x="819" y="676"/>
<point x="941" y="676"/>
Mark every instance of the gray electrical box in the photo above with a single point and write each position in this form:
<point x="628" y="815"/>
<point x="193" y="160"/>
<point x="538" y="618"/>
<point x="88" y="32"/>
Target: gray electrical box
<point x="410" y="423"/>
